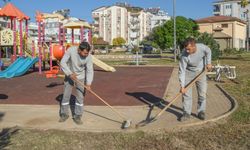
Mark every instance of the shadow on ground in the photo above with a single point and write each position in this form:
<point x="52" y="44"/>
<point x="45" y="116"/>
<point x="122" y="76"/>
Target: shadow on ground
<point x="3" y="96"/>
<point x="71" y="102"/>
<point x="153" y="101"/>
<point x="54" y="84"/>
<point x="72" y="107"/>
<point x="5" y="136"/>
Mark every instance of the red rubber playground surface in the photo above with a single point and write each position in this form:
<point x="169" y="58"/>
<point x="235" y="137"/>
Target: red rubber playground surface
<point x="126" y="87"/>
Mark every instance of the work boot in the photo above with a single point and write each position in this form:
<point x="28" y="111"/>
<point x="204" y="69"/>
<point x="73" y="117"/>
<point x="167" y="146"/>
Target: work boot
<point x="77" y="119"/>
<point x="185" y="117"/>
<point x="201" y="115"/>
<point x="63" y="117"/>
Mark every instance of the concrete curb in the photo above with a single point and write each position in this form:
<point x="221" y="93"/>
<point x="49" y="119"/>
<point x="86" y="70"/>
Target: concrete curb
<point x="226" y="114"/>
<point x="232" y="107"/>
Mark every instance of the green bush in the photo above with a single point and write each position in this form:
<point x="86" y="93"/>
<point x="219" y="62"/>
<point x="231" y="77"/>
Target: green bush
<point x="208" y="40"/>
<point x="158" y="51"/>
<point x="135" y="49"/>
<point x="233" y="51"/>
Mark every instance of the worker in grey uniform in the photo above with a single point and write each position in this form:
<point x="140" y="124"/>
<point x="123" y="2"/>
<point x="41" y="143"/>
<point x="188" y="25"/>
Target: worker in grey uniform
<point x="194" y="58"/>
<point x="77" y="65"/>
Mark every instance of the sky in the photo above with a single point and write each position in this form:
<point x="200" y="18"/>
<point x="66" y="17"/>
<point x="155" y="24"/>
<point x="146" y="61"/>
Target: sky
<point x="194" y="9"/>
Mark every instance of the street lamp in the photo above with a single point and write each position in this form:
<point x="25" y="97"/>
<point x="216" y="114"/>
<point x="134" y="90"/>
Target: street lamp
<point x="175" y="52"/>
<point x="247" y="36"/>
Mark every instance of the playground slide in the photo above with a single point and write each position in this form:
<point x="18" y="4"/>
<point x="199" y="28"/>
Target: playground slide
<point x="102" y="65"/>
<point x="18" y="68"/>
<point x="11" y="67"/>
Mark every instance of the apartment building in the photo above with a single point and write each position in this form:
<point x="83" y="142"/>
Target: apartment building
<point x="231" y="8"/>
<point x="126" y="21"/>
<point x="138" y="25"/>
<point x="158" y="17"/>
<point x="110" y="22"/>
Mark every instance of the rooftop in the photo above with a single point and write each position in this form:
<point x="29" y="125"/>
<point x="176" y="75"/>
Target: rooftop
<point x="213" y="19"/>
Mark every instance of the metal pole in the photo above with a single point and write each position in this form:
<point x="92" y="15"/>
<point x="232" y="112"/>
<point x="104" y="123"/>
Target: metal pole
<point x="59" y="34"/>
<point x="63" y="40"/>
<point x="15" y="39"/>
<point x="90" y="36"/>
<point x="33" y="53"/>
<point x="21" y="37"/>
<point x="247" y="31"/>
<point x="33" y="49"/>
<point x="39" y="47"/>
<point x="26" y="27"/>
<point x="81" y="34"/>
<point x="137" y="59"/>
<point x="50" y="56"/>
<point x="174" y="3"/>
<point x="72" y="36"/>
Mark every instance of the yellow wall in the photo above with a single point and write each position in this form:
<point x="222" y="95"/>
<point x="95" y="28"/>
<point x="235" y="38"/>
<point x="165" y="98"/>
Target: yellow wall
<point x="241" y="30"/>
<point x="235" y="29"/>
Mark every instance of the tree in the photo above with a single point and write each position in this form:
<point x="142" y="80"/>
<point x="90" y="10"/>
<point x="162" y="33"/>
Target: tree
<point x="208" y="40"/>
<point x="162" y="36"/>
<point x="94" y="40"/>
<point x="244" y="3"/>
<point x="118" y="41"/>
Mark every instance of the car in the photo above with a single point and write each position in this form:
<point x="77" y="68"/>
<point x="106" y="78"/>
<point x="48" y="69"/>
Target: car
<point x="147" y="49"/>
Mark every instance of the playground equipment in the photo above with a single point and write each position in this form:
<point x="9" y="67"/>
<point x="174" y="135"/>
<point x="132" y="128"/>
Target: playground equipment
<point x="11" y="37"/>
<point x="218" y="70"/>
<point x="19" y="67"/>
<point x="81" y="25"/>
<point x="27" y="47"/>
<point x="56" y="54"/>
<point x="57" y="50"/>
<point x="10" y="11"/>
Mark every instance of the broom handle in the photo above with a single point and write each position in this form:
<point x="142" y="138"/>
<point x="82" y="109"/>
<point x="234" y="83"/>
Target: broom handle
<point x="112" y="108"/>
<point x="179" y="94"/>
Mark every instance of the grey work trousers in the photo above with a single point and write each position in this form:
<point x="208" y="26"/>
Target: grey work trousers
<point x="201" y="85"/>
<point x="68" y="85"/>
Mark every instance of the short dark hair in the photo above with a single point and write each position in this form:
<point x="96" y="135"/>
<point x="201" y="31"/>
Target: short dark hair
<point x="189" y="41"/>
<point x="84" y="45"/>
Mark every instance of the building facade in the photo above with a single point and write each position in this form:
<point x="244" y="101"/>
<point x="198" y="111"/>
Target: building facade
<point x="229" y="32"/>
<point x="231" y="8"/>
<point x="158" y="16"/>
<point x="110" y="22"/>
<point x="123" y="20"/>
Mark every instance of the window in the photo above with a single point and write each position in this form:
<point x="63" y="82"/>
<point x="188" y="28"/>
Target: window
<point x="224" y="25"/>
<point x="216" y="8"/>
<point x="241" y="43"/>
<point x="228" y="6"/>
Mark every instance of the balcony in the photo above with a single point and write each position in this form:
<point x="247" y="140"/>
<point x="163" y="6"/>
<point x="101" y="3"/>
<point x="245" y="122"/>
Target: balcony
<point x="96" y="29"/>
<point x="96" y="24"/>
<point x="135" y="27"/>
<point x="134" y="21"/>
<point x="135" y="13"/>
<point x="134" y="35"/>
<point x="95" y="16"/>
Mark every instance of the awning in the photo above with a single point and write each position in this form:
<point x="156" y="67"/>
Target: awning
<point x="76" y="25"/>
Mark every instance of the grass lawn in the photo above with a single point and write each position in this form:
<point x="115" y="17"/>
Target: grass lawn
<point x="230" y="133"/>
<point x="149" y="61"/>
